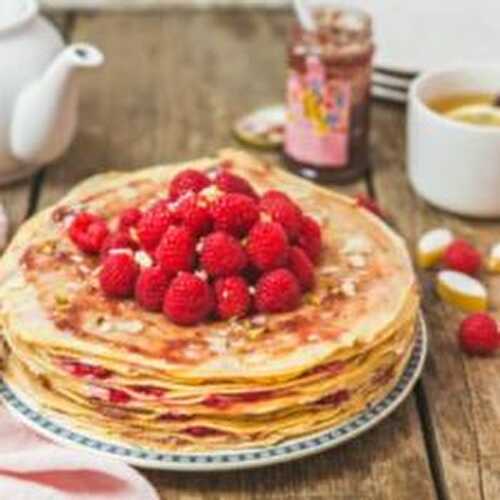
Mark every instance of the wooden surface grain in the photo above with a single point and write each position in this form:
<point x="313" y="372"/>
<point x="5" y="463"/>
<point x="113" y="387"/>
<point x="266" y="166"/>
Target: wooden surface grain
<point x="134" y="5"/>
<point x="169" y="91"/>
<point x="460" y="396"/>
<point x="173" y="83"/>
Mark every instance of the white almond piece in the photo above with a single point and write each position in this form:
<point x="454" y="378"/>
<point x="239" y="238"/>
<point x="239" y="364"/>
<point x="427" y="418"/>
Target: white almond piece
<point x="348" y="288"/>
<point x="357" y="261"/>
<point x="357" y="244"/>
<point x="132" y="326"/>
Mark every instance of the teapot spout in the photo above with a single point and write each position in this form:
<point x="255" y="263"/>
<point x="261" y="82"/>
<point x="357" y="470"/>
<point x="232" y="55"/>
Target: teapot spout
<point x="44" y="118"/>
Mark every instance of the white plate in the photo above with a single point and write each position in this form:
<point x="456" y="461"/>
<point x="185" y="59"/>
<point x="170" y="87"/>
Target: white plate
<point x="418" y="35"/>
<point x="62" y="432"/>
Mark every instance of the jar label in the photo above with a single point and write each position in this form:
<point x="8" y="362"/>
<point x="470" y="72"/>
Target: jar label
<point x="318" y="121"/>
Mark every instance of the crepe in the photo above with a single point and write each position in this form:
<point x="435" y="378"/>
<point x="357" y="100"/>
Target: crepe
<point x="110" y="367"/>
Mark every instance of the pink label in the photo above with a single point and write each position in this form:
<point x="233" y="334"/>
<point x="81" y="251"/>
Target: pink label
<point x="317" y="130"/>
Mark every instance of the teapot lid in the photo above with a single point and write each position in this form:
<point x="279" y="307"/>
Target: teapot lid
<point x="14" y="13"/>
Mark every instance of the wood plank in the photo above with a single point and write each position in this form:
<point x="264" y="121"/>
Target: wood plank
<point x="172" y="85"/>
<point x="135" y="5"/>
<point x="461" y="393"/>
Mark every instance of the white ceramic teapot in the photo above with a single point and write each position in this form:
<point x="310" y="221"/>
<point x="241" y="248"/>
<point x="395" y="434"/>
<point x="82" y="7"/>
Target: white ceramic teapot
<point x="38" y="89"/>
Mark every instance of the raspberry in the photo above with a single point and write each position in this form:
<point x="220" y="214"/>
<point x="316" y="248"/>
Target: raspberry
<point x="235" y="213"/>
<point x="231" y="183"/>
<point x="222" y="255"/>
<point x="267" y="246"/>
<point x="129" y="218"/>
<point x="232" y="297"/>
<point x="151" y="287"/>
<point x="116" y="396"/>
<point x="188" y="300"/>
<point x="369" y="204"/>
<point x="194" y="213"/>
<point x="282" y="210"/>
<point x="153" y="225"/>
<point x="302" y="267"/>
<point x="115" y="241"/>
<point x="188" y="181"/>
<point x="478" y="334"/>
<point x="277" y="291"/>
<point x="462" y="256"/>
<point x="310" y="238"/>
<point x="176" y="251"/>
<point x="118" y="275"/>
<point x="88" y="231"/>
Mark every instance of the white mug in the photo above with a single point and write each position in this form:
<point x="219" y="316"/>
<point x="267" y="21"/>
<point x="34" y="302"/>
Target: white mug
<point x="454" y="165"/>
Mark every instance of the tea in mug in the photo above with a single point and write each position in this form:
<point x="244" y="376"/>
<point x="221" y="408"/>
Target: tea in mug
<point x="474" y="108"/>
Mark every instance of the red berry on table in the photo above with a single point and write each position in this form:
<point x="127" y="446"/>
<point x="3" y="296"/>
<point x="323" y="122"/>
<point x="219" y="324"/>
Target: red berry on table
<point x="302" y="267"/>
<point x="277" y="291"/>
<point x="235" y="213"/>
<point x="153" y="225"/>
<point x="478" y="334"/>
<point x="462" y="256"/>
<point x="88" y="231"/>
<point x="267" y="246"/>
<point x="188" y="181"/>
<point x="151" y="287"/>
<point x="194" y="213"/>
<point x="222" y="255"/>
<point x="232" y="297"/>
<point x="282" y="210"/>
<point x="369" y="204"/>
<point x="117" y="241"/>
<point x="129" y="218"/>
<point x="177" y="250"/>
<point x="118" y="275"/>
<point x="310" y="238"/>
<point x="188" y="300"/>
<point x="231" y="183"/>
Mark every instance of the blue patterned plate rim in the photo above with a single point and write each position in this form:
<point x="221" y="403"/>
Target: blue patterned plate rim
<point x="62" y="432"/>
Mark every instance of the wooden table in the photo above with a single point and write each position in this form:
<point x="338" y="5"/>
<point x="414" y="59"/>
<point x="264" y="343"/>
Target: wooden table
<point x="173" y="83"/>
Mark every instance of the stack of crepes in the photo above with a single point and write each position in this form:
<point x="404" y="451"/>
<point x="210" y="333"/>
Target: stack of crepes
<point x="109" y="367"/>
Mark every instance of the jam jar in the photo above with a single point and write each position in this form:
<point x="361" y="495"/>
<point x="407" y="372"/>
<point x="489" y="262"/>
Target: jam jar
<point x="328" y="96"/>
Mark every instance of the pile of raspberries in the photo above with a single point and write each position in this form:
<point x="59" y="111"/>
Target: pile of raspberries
<point x="213" y="249"/>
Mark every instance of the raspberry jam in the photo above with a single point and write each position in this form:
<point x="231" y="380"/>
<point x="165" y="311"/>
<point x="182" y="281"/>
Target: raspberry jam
<point x="328" y="93"/>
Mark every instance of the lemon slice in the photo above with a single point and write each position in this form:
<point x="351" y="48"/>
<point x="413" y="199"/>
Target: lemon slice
<point x="478" y="114"/>
<point x="263" y="128"/>
<point x="462" y="291"/>
<point x="432" y="245"/>
<point x="493" y="262"/>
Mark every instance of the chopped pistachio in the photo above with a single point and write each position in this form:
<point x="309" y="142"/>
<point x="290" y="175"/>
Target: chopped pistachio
<point x="255" y="333"/>
<point x="143" y="259"/>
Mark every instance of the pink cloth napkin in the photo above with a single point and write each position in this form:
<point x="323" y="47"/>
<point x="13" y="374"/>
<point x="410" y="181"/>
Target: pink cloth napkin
<point x="33" y="468"/>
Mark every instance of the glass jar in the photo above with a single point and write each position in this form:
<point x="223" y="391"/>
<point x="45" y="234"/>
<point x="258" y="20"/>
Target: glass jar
<point x="328" y="96"/>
